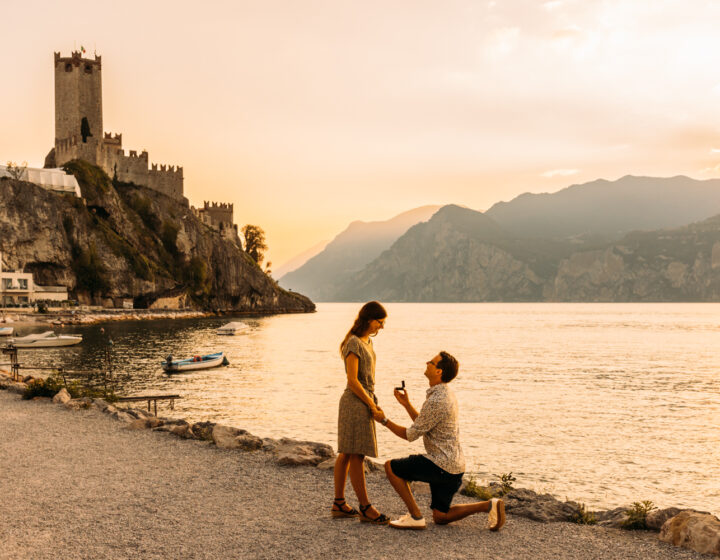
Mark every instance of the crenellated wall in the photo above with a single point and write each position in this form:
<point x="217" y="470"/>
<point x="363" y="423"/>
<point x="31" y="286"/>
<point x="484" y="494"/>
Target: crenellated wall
<point x="78" y="96"/>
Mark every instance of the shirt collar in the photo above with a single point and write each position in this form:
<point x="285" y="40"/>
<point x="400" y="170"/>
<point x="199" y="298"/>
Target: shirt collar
<point x="434" y="388"/>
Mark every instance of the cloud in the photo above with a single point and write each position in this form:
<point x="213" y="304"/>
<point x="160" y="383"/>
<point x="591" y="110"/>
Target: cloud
<point x="503" y="41"/>
<point x="570" y="32"/>
<point x="715" y="150"/>
<point x="552" y="5"/>
<point x="559" y="173"/>
<point x="710" y="170"/>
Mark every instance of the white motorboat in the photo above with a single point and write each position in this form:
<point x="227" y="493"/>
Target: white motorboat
<point x="194" y="363"/>
<point x="47" y="339"/>
<point x="6" y="331"/>
<point x="233" y="328"/>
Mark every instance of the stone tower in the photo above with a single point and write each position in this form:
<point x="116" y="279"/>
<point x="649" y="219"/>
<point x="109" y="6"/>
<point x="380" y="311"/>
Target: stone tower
<point x="78" y="105"/>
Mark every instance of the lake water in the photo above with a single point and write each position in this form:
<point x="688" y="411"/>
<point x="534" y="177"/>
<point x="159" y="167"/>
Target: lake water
<point x="602" y="403"/>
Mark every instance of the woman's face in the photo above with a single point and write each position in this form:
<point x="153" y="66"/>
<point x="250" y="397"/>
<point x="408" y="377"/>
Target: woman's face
<point x="375" y="326"/>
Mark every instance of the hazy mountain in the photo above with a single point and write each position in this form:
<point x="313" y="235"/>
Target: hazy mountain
<point x="608" y="209"/>
<point x="462" y="255"/>
<point x="349" y="252"/>
<point x="298" y="260"/>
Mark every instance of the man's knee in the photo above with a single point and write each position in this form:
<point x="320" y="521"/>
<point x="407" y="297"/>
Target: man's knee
<point x="440" y="518"/>
<point x="388" y="470"/>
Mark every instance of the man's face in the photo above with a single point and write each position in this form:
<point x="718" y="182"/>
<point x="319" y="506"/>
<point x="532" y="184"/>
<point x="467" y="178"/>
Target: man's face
<point x="431" y="369"/>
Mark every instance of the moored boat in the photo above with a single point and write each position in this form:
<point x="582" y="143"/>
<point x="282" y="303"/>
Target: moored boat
<point x="6" y="331"/>
<point x="195" y="363"/>
<point x="47" y="339"/>
<point x="233" y="328"/>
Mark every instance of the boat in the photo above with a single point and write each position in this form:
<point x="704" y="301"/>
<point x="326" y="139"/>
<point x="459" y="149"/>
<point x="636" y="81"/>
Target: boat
<point x="46" y="339"/>
<point x="233" y="328"/>
<point x="6" y="331"/>
<point x="195" y="363"/>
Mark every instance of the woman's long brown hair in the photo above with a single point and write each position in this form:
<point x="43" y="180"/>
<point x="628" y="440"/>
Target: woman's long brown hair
<point x="372" y="310"/>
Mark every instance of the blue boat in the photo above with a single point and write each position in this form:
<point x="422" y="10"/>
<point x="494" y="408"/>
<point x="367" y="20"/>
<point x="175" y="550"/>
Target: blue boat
<point x="194" y="363"/>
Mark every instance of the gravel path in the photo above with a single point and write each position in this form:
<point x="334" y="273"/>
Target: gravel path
<point x="77" y="484"/>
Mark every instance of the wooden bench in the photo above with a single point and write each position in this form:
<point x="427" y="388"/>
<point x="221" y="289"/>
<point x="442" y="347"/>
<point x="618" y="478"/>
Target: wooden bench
<point x="152" y="398"/>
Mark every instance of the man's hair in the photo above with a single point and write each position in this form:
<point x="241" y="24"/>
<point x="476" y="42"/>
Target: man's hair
<point x="449" y="367"/>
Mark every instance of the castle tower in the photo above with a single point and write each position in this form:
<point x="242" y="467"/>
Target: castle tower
<point x="78" y="106"/>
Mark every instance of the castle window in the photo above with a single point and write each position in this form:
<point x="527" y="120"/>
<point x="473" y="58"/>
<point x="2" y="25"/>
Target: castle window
<point x="68" y="67"/>
<point x="88" y="69"/>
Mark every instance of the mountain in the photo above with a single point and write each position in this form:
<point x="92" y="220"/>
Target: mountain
<point x="460" y="255"/>
<point x="298" y="260"/>
<point x="608" y="209"/>
<point x="349" y="252"/>
<point x="122" y="241"/>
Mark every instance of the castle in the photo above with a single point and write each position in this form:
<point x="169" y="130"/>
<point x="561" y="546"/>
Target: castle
<point x="79" y="130"/>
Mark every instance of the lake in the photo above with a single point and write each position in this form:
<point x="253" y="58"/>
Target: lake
<point x="601" y="403"/>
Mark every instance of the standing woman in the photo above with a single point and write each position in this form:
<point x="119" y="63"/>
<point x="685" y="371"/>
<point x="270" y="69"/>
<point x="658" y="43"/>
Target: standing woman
<point x="358" y="405"/>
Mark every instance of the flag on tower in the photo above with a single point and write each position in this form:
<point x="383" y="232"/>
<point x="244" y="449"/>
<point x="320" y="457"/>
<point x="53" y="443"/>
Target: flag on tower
<point x="82" y="49"/>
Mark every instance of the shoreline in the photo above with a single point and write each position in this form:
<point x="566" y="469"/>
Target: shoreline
<point x="522" y="505"/>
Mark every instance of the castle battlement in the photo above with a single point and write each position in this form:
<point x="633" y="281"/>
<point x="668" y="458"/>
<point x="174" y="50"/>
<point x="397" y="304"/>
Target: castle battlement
<point x="218" y="205"/>
<point x="79" y="131"/>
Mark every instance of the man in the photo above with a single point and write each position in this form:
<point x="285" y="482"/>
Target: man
<point x="443" y="464"/>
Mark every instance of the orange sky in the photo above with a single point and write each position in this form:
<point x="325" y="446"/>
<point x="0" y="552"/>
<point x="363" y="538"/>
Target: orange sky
<point x="310" y="114"/>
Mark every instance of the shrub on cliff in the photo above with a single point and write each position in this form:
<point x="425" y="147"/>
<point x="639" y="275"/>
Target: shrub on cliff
<point x="93" y="180"/>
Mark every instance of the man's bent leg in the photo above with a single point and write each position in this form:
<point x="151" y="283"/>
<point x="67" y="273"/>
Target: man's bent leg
<point x="402" y="487"/>
<point x="459" y="511"/>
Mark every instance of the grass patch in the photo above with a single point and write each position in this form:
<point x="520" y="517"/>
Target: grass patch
<point x="636" y="516"/>
<point x="583" y="516"/>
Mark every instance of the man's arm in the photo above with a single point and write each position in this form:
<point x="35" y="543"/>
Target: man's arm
<point x="403" y="398"/>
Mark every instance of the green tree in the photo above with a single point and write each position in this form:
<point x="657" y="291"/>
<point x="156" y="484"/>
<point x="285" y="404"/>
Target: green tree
<point x="17" y="171"/>
<point x="254" y="242"/>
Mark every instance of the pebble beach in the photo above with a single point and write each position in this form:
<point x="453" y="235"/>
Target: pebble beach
<point x="77" y="484"/>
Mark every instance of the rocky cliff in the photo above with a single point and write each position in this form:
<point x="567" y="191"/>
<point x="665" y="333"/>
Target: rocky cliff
<point x="123" y="241"/>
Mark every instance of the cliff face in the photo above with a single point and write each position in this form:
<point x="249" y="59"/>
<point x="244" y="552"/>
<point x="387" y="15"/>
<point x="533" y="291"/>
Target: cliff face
<point x="130" y="242"/>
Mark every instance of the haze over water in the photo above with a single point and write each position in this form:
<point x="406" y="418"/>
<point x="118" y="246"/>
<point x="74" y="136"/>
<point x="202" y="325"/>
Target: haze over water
<point x="601" y="403"/>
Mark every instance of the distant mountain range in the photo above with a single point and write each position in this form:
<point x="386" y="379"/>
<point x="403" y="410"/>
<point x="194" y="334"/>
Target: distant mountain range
<point x="634" y="239"/>
<point x="349" y="252"/>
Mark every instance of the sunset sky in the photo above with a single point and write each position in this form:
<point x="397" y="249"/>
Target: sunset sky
<point x="308" y="115"/>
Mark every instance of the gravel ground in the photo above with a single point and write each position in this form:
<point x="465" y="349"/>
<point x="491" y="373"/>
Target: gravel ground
<point x="76" y="484"/>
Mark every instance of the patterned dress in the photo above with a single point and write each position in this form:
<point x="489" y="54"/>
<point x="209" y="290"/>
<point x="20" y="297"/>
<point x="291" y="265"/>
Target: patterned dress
<point x="356" y="427"/>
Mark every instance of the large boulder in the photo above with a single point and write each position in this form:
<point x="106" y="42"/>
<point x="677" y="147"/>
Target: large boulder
<point x="144" y="424"/>
<point x="539" y="507"/>
<point x="657" y="517"/>
<point x="62" y="396"/>
<point x="613" y="517"/>
<point x="77" y="404"/>
<point x="225" y="437"/>
<point x="693" y="530"/>
<point x="249" y="442"/>
<point x="293" y="452"/>
<point x="203" y="430"/>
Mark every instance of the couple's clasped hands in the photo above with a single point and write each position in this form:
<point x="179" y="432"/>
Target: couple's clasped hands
<point x="401" y="396"/>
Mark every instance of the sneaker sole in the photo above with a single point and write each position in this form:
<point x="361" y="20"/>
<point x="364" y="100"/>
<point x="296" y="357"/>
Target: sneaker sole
<point x="408" y="528"/>
<point x="500" y="516"/>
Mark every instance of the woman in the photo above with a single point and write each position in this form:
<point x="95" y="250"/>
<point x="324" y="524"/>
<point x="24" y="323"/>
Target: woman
<point x="358" y="405"/>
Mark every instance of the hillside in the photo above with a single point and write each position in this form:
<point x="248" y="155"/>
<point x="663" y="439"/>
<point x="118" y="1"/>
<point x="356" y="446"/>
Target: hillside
<point x="123" y="241"/>
<point x="349" y="252"/>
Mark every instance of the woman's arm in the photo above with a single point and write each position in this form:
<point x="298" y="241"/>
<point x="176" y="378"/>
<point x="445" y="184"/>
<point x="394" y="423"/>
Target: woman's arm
<point x="351" y="367"/>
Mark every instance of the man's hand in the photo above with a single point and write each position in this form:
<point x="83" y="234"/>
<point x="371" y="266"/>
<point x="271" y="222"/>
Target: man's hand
<point x="402" y="397"/>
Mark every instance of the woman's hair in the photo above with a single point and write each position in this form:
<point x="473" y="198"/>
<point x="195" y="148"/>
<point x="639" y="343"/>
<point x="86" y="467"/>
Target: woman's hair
<point x="372" y="310"/>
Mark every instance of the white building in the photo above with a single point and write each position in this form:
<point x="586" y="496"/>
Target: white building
<point x="51" y="179"/>
<point x="19" y="287"/>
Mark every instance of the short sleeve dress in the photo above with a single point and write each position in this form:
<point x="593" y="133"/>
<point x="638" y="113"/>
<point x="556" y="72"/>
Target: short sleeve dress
<point x="356" y="427"/>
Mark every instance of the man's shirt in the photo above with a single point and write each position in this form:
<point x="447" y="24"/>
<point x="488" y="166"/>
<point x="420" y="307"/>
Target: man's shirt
<point x="438" y="424"/>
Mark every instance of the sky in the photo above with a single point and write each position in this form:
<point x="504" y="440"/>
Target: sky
<point x="308" y="115"/>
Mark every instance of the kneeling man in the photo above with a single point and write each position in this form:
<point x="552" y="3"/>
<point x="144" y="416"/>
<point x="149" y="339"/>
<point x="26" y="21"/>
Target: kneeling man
<point x="443" y="464"/>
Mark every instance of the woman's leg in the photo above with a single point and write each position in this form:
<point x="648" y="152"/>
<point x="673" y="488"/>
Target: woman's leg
<point x="357" y="479"/>
<point x="342" y="463"/>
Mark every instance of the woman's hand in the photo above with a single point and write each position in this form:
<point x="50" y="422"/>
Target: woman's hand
<point x="402" y="397"/>
<point x="378" y="414"/>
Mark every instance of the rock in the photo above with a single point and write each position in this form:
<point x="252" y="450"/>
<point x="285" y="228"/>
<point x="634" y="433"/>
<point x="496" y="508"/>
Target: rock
<point x="327" y="464"/>
<point x="62" y="396"/>
<point x="225" y="436"/>
<point x="292" y="452"/>
<point x="538" y="507"/>
<point x="15" y="387"/>
<point x="249" y="442"/>
<point x="122" y="416"/>
<point x="612" y="518"/>
<point x="28" y="379"/>
<point x="373" y="466"/>
<point x="100" y="404"/>
<point x="77" y="404"/>
<point x="690" y="529"/>
<point x="657" y="517"/>
<point x="270" y="444"/>
<point x="182" y="430"/>
<point x="144" y="424"/>
<point x="167" y="424"/>
<point x="203" y="430"/>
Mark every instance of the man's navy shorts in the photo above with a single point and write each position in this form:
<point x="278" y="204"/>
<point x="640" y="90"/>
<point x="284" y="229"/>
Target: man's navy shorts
<point x="443" y="485"/>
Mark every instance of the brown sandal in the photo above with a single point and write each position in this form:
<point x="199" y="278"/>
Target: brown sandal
<point x="340" y="512"/>
<point x="381" y="519"/>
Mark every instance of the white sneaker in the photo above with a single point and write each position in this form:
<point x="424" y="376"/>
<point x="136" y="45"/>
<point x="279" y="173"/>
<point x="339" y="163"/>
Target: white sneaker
<point x="496" y="515"/>
<point x="408" y="522"/>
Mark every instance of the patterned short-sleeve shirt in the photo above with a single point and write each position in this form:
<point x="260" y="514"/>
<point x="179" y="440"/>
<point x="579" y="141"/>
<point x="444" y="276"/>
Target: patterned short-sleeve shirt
<point x="438" y="424"/>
